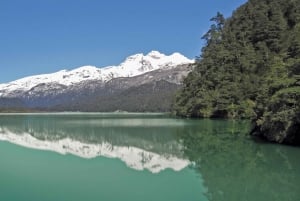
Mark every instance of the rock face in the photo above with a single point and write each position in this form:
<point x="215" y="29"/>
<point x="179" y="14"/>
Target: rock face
<point x="152" y="92"/>
<point x="278" y="132"/>
<point x="141" y="83"/>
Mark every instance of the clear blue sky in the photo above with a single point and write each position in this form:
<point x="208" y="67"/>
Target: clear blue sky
<point x="44" y="36"/>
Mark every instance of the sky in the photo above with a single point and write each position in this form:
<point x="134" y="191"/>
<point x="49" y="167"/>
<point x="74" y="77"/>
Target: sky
<point x="45" y="36"/>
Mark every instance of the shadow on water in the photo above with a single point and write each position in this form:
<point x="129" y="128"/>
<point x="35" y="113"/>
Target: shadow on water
<point x="234" y="167"/>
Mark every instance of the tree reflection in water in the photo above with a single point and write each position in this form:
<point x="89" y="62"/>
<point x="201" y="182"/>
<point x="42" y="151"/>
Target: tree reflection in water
<point x="234" y="167"/>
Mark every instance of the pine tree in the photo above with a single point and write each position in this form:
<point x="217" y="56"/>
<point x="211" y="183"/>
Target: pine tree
<point x="250" y="68"/>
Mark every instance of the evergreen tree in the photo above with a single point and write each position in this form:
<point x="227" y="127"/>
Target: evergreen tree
<point x="250" y="68"/>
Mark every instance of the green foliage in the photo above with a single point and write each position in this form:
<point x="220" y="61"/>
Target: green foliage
<point x="150" y="97"/>
<point x="231" y="165"/>
<point x="250" y="68"/>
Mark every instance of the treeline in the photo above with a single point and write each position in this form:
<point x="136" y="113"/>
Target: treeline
<point x="250" y="68"/>
<point x="155" y="96"/>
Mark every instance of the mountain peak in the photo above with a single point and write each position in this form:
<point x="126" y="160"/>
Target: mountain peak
<point x="133" y="65"/>
<point x="134" y="57"/>
<point x="155" y="54"/>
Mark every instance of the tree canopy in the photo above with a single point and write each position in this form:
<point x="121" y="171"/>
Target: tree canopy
<point x="250" y="68"/>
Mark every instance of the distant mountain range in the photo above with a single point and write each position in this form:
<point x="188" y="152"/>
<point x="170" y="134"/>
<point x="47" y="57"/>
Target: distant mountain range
<point x="141" y="83"/>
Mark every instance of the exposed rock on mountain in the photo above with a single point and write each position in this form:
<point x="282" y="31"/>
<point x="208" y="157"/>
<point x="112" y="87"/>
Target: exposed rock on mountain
<point x="140" y="83"/>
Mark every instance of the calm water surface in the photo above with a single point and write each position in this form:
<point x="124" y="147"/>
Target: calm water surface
<point x="142" y="157"/>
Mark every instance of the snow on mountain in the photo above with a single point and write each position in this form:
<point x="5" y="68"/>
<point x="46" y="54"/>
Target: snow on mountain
<point x="134" y="65"/>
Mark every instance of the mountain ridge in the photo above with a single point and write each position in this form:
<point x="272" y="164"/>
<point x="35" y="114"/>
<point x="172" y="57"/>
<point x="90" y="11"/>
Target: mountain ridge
<point x="148" y="81"/>
<point x="132" y="66"/>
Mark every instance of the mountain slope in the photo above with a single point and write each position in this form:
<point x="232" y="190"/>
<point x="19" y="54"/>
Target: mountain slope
<point x="84" y="88"/>
<point x="133" y="65"/>
<point x="154" y="96"/>
<point x="152" y="92"/>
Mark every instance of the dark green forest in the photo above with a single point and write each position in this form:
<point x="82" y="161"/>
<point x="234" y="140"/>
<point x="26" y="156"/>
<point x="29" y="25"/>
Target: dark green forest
<point x="149" y="97"/>
<point x="250" y="68"/>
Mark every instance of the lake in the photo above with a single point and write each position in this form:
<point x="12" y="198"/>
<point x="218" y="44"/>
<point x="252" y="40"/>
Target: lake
<point x="140" y="157"/>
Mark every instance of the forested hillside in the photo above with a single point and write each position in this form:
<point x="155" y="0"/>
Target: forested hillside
<point x="149" y="97"/>
<point x="250" y="68"/>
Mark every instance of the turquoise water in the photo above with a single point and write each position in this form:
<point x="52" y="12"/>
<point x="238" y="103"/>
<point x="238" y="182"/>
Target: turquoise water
<point x="140" y="157"/>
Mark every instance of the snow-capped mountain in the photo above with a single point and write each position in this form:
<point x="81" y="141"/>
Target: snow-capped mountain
<point x="140" y="83"/>
<point x="133" y="65"/>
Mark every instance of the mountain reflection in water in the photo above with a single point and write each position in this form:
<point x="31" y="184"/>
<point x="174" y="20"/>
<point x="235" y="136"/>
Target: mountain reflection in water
<point x="229" y="165"/>
<point x="136" y="141"/>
